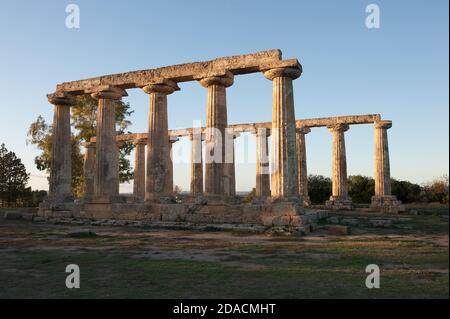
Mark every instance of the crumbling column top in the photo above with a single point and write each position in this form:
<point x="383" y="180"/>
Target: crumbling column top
<point x="109" y="92"/>
<point x="338" y="128"/>
<point x="61" y="98"/>
<point x="226" y="80"/>
<point x="164" y="86"/>
<point x="383" y="124"/>
<point x="303" y="130"/>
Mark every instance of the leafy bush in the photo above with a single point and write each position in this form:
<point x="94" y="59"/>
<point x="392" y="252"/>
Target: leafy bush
<point x="361" y="188"/>
<point x="406" y="191"/>
<point x="319" y="188"/>
<point x="437" y="190"/>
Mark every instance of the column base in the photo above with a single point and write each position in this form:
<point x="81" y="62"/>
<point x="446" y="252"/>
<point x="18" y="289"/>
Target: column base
<point x="211" y="199"/>
<point x="59" y="199"/>
<point x="339" y="203"/>
<point x="54" y="208"/>
<point x="387" y="204"/>
<point x="160" y="199"/>
<point x="306" y="201"/>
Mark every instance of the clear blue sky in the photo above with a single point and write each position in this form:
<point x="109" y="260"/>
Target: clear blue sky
<point x="399" y="70"/>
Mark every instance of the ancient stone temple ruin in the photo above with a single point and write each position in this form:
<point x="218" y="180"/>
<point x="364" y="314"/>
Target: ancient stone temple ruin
<point x="281" y="182"/>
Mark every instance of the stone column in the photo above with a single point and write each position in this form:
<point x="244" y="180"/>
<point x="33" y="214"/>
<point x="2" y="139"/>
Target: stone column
<point x="106" y="178"/>
<point x="284" y="155"/>
<point x="262" y="163"/>
<point x="230" y="167"/>
<point x="339" y="198"/>
<point x="383" y="199"/>
<point x="158" y="182"/>
<point x="172" y="140"/>
<point x="302" y="164"/>
<point x="139" y="169"/>
<point x="216" y="122"/>
<point x="89" y="169"/>
<point x="196" y="164"/>
<point x="60" y="189"/>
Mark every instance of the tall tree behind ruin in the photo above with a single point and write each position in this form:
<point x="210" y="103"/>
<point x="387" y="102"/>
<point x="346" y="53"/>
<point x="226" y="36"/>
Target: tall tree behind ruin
<point x="13" y="175"/>
<point x="83" y="121"/>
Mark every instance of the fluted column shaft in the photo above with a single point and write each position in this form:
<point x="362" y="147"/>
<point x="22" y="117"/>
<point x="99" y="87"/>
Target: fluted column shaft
<point x="139" y="169"/>
<point x="60" y="188"/>
<point x="159" y="182"/>
<point x="339" y="162"/>
<point x="284" y="159"/>
<point x="196" y="165"/>
<point x="382" y="166"/>
<point x="216" y="122"/>
<point x="106" y="178"/>
<point x="89" y="169"/>
<point x="230" y="166"/>
<point x="302" y="164"/>
<point x="171" y="142"/>
<point x="262" y="163"/>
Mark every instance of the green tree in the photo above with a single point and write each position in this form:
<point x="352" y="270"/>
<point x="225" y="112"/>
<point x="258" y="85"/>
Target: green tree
<point x="437" y="190"/>
<point x="361" y="188"/>
<point x="84" y="123"/>
<point x="250" y="196"/>
<point x="319" y="188"/>
<point x="13" y="176"/>
<point x="406" y="191"/>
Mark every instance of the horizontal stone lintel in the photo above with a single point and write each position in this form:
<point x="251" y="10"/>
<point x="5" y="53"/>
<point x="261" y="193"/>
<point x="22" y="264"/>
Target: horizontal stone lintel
<point x="240" y="64"/>
<point x="253" y="127"/>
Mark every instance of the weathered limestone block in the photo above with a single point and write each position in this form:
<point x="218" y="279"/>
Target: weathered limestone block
<point x="388" y="204"/>
<point x="241" y="64"/>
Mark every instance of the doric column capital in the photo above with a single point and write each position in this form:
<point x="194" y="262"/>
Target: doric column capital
<point x="163" y="86"/>
<point x="261" y="130"/>
<point x="109" y="92"/>
<point x="338" y="128"/>
<point x="383" y="124"/>
<point x="61" y="98"/>
<point x="173" y="139"/>
<point x="223" y="80"/>
<point x="292" y="73"/>
<point x="193" y="135"/>
<point x="303" y="130"/>
<point x="140" y="141"/>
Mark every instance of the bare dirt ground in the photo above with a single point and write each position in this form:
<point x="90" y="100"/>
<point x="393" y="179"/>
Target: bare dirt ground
<point x="127" y="262"/>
